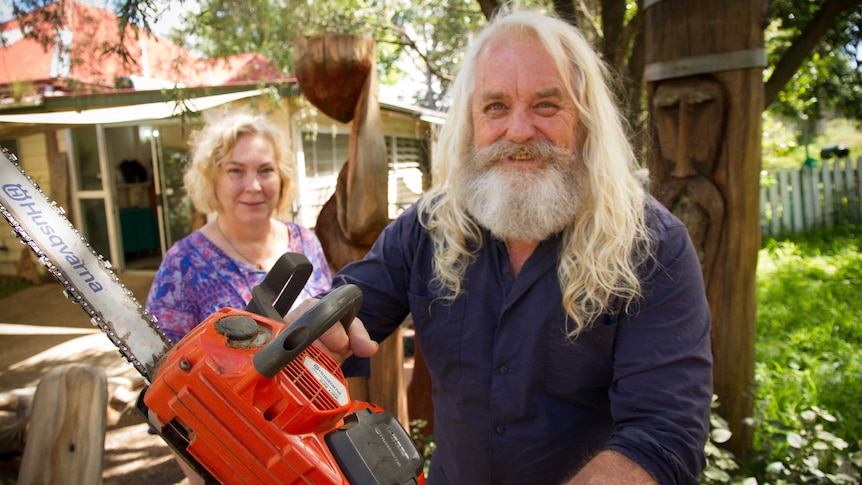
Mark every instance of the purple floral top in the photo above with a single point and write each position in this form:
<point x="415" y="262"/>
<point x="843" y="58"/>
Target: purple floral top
<point x="196" y="279"/>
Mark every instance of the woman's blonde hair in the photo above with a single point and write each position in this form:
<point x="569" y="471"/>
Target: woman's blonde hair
<point x="601" y="251"/>
<point x="212" y="145"/>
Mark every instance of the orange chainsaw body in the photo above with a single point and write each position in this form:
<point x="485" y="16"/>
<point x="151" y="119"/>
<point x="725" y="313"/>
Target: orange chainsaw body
<point x="243" y="427"/>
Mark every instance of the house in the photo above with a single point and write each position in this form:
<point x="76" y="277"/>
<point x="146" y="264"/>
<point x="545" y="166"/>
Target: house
<point x="107" y="139"/>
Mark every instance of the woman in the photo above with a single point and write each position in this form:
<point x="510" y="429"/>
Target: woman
<point x="240" y="170"/>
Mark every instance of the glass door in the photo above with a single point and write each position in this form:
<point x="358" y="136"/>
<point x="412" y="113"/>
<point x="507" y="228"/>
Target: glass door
<point x="93" y="207"/>
<point x="177" y="217"/>
<point x="133" y="196"/>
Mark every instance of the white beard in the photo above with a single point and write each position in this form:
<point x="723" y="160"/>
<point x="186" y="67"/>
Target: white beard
<point x="523" y="205"/>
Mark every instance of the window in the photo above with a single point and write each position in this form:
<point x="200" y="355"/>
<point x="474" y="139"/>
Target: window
<point x="326" y="153"/>
<point x="406" y="159"/>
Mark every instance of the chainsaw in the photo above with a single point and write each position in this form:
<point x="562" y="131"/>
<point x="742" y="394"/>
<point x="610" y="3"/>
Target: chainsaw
<point x="243" y="397"/>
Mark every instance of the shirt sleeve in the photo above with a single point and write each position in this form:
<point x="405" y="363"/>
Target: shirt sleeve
<point x="384" y="276"/>
<point x="662" y="384"/>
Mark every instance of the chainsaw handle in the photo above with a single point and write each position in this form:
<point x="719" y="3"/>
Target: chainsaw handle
<point x="274" y="296"/>
<point x="342" y="304"/>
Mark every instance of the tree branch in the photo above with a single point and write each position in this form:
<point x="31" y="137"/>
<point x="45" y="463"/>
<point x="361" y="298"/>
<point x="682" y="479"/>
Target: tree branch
<point x="409" y="43"/>
<point x="804" y="45"/>
<point x="565" y="9"/>
<point x="630" y="31"/>
<point x="489" y="7"/>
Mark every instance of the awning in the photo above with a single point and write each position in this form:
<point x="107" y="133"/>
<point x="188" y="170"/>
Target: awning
<point x="129" y="113"/>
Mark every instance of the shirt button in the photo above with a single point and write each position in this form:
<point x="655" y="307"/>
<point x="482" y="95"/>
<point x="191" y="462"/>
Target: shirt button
<point x="503" y="369"/>
<point x="500" y="429"/>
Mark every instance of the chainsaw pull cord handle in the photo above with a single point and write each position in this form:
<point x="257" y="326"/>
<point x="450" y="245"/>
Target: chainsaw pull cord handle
<point x="342" y="304"/>
<point x="274" y="296"/>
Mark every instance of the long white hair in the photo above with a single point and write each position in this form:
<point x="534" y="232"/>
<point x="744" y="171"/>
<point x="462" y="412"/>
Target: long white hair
<point x="602" y="248"/>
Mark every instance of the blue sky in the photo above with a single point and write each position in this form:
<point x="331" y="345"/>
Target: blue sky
<point x="5" y="10"/>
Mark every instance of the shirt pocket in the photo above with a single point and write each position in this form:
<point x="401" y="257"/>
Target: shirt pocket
<point x="439" y="328"/>
<point x="580" y="370"/>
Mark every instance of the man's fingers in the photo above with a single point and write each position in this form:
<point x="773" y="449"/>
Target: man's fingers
<point x="337" y="342"/>
<point x="340" y="344"/>
<point x="300" y="310"/>
<point x="360" y="342"/>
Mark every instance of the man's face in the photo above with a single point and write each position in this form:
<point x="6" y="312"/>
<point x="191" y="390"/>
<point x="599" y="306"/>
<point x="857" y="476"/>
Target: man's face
<point x="519" y="97"/>
<point x="524" y="179"/>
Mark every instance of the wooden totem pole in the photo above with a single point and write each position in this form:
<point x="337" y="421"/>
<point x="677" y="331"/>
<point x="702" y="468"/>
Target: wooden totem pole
<point x="704" y="65"/>
<point x="337" y="74"/>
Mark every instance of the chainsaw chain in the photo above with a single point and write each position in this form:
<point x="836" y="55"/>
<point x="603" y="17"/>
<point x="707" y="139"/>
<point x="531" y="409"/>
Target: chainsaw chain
<point x="69" y="289"/>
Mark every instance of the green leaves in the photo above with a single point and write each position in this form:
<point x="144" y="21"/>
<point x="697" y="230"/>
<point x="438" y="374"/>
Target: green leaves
<point x="807" y="422"/>
<point x="424" y="38"/>
<point x="828" y="77"/>
<point x="808" y="359"/>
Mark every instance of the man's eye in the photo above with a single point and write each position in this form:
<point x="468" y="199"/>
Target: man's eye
<point x="495" y="110"/>
<point x="546" y="108"/>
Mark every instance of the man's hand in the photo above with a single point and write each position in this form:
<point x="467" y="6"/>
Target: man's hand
<point x="337" y="343"/>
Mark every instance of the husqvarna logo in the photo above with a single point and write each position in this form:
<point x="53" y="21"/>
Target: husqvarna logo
<point x="17" y="193"/>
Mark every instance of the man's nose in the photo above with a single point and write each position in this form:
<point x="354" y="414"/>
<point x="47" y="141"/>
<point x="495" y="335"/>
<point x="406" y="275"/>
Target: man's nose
<point x="521" y="127"/>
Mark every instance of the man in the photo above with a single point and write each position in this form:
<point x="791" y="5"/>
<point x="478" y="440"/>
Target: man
<point x="560" y="308"/>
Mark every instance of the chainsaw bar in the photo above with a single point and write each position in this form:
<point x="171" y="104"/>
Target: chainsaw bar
<point x="87" y="277"/>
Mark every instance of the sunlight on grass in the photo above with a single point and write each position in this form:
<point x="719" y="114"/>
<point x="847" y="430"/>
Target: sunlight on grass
<point x="783" y="147"/>
<point x="809" y="334"/>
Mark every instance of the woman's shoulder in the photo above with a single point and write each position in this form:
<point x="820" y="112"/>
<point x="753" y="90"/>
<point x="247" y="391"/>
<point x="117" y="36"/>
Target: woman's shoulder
<point x="189" y="243"/>
<point x="296" y="228"/>
<point x="300" y="233"/>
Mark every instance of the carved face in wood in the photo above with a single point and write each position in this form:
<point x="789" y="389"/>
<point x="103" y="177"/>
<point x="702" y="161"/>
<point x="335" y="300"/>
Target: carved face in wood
<point x="689" y="114"/>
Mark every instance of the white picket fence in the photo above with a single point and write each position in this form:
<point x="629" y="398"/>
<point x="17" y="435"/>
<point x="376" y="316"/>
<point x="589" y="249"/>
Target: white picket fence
<point x="794" y="201"/>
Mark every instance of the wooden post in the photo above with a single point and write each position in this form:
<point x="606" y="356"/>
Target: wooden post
<point x="66" y="436"/>
<point x="704" y="64"/>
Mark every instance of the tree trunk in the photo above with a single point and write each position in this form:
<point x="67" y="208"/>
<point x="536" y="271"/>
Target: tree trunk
<point x="66" y="435"/>
<point x="703" y="70"/>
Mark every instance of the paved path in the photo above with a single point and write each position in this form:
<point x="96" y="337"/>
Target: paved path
<point x="39" y="330"/>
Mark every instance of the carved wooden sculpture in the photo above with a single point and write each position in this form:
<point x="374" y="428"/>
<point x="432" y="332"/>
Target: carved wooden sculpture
<point x="689" y="118"/>
<point x="705" y="86"/>
<point x="337" y="75"/>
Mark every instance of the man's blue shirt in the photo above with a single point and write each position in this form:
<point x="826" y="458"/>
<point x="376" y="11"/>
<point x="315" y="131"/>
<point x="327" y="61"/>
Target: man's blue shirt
<point x="515" y="400"/>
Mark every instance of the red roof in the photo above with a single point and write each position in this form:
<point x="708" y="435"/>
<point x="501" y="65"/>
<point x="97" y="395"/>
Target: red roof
<point x="88" y="68"/>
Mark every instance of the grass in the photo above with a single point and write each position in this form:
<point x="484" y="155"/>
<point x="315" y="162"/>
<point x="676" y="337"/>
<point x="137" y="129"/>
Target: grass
<point x="783" y="147"/>
<point x="809" y="335"/>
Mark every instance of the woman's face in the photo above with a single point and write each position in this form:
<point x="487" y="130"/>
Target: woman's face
<point x="247" y="183"/>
